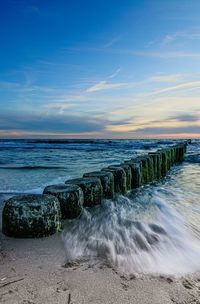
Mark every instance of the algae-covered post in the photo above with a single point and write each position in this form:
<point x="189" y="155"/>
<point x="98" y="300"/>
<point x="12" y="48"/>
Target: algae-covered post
<point x="30" y="216"/>
<point x="40" y="215"/>
<point x="144" y="169"/>
<point x="92" y="189"/>
<point x="127" y="170"/>
<point x="135" y="172"/>
<point x="164" y="164"/>
<point x="70" y="197"/>
<point x="119" y="179"/>
<point x="181" y="151"/>
<point x="107" y="182"/>
<point x="156" y="164"/>
<point x="150" y="168"/>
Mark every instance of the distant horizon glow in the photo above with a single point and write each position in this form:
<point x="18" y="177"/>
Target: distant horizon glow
<point x="100" y="69"/>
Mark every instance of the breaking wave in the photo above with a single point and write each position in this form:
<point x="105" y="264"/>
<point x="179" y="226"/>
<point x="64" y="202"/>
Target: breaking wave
<point x="139" y="234"/>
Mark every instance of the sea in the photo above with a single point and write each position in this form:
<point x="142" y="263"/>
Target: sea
<point x="154" y="229"/>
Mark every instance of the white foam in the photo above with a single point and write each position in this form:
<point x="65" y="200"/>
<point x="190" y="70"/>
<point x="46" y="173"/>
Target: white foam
<point x="114" y="233"/>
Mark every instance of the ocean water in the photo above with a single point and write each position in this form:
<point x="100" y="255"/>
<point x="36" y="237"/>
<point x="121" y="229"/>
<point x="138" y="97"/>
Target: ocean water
<point x="29" y="165"/>
<point x="155" y="229"/>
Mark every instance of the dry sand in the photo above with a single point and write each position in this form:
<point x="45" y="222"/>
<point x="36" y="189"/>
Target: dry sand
<point x="32" y="272"/>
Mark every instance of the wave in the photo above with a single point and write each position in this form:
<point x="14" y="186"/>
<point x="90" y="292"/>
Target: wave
<point x="193" y="158"/>
<point x="37" y="190"/>
<point x="31" y="167"/>
<point x="91" y="145"/>
<point x="142" y="234"/>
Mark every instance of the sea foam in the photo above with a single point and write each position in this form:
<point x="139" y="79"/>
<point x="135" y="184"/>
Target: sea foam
<point x="140" y="234"/>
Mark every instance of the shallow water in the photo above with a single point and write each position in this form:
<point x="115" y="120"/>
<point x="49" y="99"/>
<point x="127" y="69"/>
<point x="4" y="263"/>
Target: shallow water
<point x="156" y="229"/>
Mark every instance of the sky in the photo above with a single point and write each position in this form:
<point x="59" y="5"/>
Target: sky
<point x="99" y="69"/>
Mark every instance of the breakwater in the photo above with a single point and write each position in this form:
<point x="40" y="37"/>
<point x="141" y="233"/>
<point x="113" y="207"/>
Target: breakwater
<point x="40" y="215"/>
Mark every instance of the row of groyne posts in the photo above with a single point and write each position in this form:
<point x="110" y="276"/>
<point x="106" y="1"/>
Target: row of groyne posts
<point x="41" y="214"/>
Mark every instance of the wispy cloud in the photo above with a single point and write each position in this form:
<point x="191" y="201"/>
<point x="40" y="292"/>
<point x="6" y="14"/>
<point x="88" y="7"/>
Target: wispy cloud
<point x="35" y="88"/>
<point x="114" y="74"/>
<point x="112" y="41"/>
<point x="58" y="107"/>
<point x="180" y="36"/>
<point x="172" y="38"/>
<point x="185" y="117"/>
<point x="24" y="87"/>
<point x="167" y="78"/>
<point x="166" y="54"/>
<point x="195" y="129"/>
<point x="140" y="53"/>
<point x="185" y="85"/>
<point x="72" y="98"/>
<point x="104" y="85"/>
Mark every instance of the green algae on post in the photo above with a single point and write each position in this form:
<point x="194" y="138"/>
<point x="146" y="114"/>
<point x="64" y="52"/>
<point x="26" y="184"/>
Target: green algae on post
<point x="136" y="172"/>
<point x="29" y="216"/>
<point x="119" y="179"/>
<point x="70" y="197"/>
<point x="92" y="190"/>
<point x="107" y="181"/>
<point x="127" y="170"/>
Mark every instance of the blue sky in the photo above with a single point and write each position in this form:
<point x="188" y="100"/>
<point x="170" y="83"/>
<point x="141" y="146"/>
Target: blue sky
<point x="100" y="69"/>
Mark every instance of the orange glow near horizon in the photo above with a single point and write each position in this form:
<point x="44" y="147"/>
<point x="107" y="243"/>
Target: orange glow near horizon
<point x="94" y="135"/>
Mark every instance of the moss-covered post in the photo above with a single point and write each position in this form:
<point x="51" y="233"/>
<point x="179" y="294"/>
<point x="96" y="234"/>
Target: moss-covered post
<point x="173" y="155"/>
<point x="107" y="181"/>
<point x="144" y="169"/>
<point x="128" y="172"/>
<point x="70" y="197"/>
<point x="135" y="172"/>
<point x="168" y="155"/>
<point x="164" y="167"/>
<point x="119" y="179"/>
<point x="150" y="168"/>
<point x="181" y="152"/>
<point x="31" y="215"/>
<point x="156" y="164"/>
<point x="92" y="190"/>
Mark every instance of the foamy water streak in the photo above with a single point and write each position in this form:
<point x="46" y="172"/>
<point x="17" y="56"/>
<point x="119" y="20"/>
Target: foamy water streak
<point x="140" y="234"/>
<point x="38" y="190"/>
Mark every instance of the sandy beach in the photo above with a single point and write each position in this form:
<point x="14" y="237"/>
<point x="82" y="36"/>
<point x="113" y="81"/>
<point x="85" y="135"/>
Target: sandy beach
<point x="32" y="272"/>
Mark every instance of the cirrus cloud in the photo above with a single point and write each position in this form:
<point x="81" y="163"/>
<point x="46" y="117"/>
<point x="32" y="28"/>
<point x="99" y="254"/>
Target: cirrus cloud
<point x="104" y="85"/>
